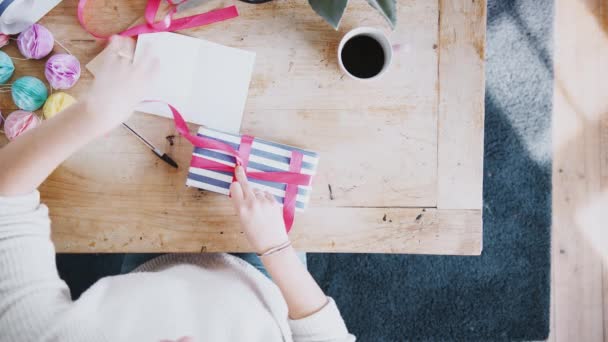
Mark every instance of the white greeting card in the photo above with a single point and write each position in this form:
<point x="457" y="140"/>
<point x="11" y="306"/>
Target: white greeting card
<point x="207" y="82"/>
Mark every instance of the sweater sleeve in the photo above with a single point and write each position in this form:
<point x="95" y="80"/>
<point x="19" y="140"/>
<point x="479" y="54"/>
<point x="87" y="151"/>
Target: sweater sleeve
<point x="325" y="325"/>
<point x="32" y="296"/>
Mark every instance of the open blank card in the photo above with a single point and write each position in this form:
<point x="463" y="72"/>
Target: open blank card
<point x="205" y="81"/>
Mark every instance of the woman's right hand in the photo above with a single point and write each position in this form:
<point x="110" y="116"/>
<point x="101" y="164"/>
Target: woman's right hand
<point x="260" y="214"/>
<point x="119" y="84"/>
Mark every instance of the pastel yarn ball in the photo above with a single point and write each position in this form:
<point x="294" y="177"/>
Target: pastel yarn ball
<point x="6" y="67"/>
<point x="35" y="42"/>
<point x="29" y="93"/>
<point x="18" y="122"/>
<point x="62" y="71"/>
<point x="56" y="103"/>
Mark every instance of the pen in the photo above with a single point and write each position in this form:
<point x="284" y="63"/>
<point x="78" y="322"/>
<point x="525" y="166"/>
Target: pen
<point x="160" y="154"/>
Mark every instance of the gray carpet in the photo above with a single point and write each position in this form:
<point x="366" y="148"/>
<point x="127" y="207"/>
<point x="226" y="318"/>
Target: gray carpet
<point x="503" y="294"/>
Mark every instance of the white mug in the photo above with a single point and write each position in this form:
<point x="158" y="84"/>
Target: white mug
<point x="378" y="36"/>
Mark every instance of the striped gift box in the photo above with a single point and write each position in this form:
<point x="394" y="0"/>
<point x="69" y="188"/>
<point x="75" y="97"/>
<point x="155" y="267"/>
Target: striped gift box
<point x="265" y="156"/>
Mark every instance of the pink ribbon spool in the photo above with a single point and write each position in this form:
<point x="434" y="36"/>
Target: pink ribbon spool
<point x="168" y="23"/>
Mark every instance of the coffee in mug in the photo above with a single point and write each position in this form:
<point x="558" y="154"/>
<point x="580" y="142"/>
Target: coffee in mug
<point x="364" y="53"/>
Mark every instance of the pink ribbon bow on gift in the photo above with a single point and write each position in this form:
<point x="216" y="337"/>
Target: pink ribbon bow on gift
<point x="292" y="178"/>
<point x="167" y="24"/>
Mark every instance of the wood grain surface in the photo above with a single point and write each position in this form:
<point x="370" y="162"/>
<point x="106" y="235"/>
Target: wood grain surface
<point x="580" y="171"/>
<point x="378" y="140"/>
<point x="461" y="104"/>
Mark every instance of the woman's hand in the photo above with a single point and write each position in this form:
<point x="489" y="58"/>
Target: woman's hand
<point x="262" y="220"/>
<point x="260" y="213"/>
<point x="119" y="83"/>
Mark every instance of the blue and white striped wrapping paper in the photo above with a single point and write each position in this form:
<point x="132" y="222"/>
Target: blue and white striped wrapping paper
<point x="265" y="156"/>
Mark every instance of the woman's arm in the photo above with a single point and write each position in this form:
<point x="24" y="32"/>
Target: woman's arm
<point x="28" y="160"/>
<point x="314" y="316"/>
<point x="34" y="301"/>
<point x="302" y="294"/>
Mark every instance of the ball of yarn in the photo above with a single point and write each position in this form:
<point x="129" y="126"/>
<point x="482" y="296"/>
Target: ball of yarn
<point x="29" y="93"/>
<point x="62" y="71"/>
<point x="6" y="67"/>
<point x="19" y="122"/>
<point x="35" y="42"/>
<point x="56" y="103"/>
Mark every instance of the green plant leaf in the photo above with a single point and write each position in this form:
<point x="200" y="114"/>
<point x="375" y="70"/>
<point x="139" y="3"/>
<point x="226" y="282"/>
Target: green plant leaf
<point x="388" y="9"/>
<point x="330" y="10"/>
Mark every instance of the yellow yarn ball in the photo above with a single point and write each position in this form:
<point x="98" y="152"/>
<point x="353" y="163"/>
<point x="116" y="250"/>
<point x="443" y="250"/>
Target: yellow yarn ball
<point x="56" y="103"/>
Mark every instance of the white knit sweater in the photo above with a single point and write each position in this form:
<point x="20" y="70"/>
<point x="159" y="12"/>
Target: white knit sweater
<point x="214" y="297"/>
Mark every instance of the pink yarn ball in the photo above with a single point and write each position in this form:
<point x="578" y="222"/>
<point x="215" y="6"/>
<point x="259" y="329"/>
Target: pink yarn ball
<point x="19" y="122"/>
<point x="35" y="42"/>
<point x="62" y="71"/>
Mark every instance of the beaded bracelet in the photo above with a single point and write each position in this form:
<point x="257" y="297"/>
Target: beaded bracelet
<point x="276" y="249"/>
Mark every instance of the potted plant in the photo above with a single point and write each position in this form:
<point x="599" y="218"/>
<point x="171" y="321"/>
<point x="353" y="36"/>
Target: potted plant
<point x="333" y="10"/>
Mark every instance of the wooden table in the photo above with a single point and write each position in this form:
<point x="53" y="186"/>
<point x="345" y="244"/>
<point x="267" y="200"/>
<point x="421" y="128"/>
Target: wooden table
<point x="401" y="158"/>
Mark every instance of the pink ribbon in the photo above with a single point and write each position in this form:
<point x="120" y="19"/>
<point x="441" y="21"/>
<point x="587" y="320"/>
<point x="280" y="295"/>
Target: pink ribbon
<point x="168" y="23"/>
<point x="292" y="178"/>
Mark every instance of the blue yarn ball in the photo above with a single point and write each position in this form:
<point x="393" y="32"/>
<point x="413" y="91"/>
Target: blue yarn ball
<point x="29" y="93"/>
<point x="6" y="67"/>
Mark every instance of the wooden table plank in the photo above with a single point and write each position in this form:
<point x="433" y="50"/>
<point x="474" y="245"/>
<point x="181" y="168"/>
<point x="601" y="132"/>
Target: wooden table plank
<point x="377" y="140"/>
<point x="395" y="230"/>
<point x="581" y="49"/>
<point x="462" y="37"/>
<point x="602" y="16"/>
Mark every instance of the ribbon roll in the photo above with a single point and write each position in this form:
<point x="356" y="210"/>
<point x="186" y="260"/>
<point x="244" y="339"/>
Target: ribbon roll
<point x="168" y="23"/>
